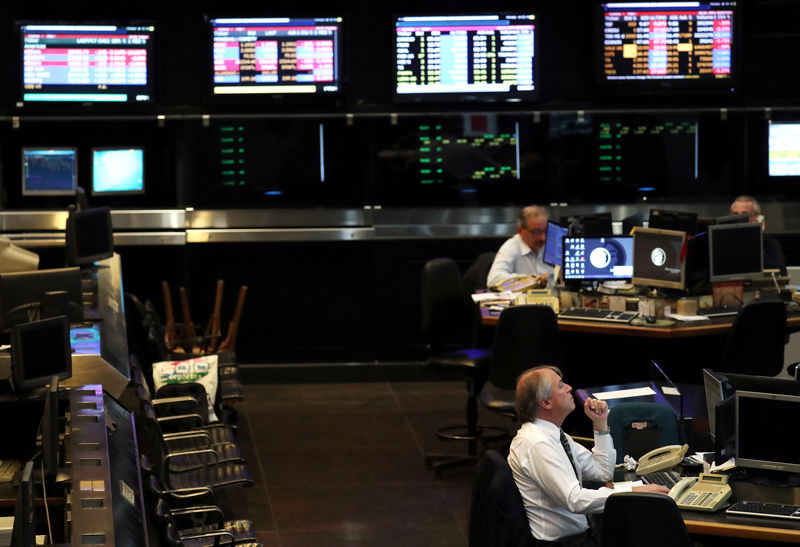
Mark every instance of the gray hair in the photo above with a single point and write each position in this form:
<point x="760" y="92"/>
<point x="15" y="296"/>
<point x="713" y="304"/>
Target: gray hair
<point x="532" y="388"/>
<point x="745" y="198"/>
<point x="529" y="212"/>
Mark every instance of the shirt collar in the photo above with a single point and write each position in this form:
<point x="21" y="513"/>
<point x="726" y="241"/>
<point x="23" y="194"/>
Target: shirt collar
<point x="523" y="247"/>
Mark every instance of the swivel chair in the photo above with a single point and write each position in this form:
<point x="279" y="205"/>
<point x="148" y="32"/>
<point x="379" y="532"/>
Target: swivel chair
<point x="475" y="276"/>
<point x="632" y="519"/>
<point x="449" y="320"/>
<point x="638" y="428"/>
<point x="755" y="344"/>
<point x="497" y="515"/>
<point x="526" y="336"/>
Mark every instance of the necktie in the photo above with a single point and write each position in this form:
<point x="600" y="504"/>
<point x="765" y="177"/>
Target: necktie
<point x="568" y="450"/>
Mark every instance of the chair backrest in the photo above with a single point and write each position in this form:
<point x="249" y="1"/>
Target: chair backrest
<point x="526" y="336"/>
<point x="448" y="316"/>
<point x="474" y="277"/>
<point x="497" y="516"/>
<point x="755" y="344"/>
<point x="638" y="428"/>
<point x="632" y="519"/>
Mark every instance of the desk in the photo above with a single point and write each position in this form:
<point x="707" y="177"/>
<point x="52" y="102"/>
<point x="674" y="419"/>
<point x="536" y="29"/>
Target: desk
<point x="724" y="525"/>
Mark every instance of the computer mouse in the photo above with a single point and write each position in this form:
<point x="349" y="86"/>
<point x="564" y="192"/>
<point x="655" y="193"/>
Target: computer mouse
<point x="650" y="319"/>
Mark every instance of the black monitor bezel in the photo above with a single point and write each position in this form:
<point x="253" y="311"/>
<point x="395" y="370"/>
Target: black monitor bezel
<point x="756" y="463"/>
<point x="742" y="276"/>
<point x="18" y="280"/>
<point x="121" y="192"/>
<point x="473" y="96"/>
<point x="21" y="383"/>
<point x="70" y="233"/>
<point x="689" y="217"/>
<point x="547" y="239"/>
<point x="75" y="180"/>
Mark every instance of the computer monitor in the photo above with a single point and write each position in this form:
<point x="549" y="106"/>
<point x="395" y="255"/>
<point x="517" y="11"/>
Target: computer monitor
<point x="465" y="57"/>
<point x="24" y="531"/>
<point x="735" y="252"/>
<point x="589" y="224"/>
<point x="598" y="258"/>
<point x="49" y="171"/>
<point x="89" y="236"/>
<point x="554" y="243"/>
<point x="91" y="63"/>
<point x="783" y="149"/>
<point x="50" y="432"/>
<point x="24" y="296"/>
<point x="761" y="420"/>
<point x="276" y="56"/>
<point x="117" y="171"/>
<point x="40" y="350"/>
<point x="667" y="46"/>
<point x="682" y="221"/>
<point x="740" y="218"/>
<point x="658" y="258"/>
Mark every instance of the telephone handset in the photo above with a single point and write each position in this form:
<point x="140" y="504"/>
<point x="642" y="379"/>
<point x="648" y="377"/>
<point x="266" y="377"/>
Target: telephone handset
<point x="706" y="493"/>
<point x="661" y="458"/>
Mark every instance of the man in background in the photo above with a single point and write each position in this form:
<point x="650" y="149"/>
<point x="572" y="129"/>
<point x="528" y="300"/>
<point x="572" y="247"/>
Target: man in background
<point x="773" y="253"/>
<point x="524" y="252"/>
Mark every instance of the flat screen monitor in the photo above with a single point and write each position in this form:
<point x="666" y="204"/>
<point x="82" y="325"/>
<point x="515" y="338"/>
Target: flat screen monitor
<point x="658" y="258"/>
<point x="554" y="243"/>
<point x="735" y="252"/>
<point x="598" y="258"/>
<point x="49" y="171"/>
<point x="89" y="236"/>
<point x="117" y="171"/>
<point x="732" y="219"/>
<point x="761" y="421"/>
<point x="589" y="224"/>
<point x="23" y="295"/>
<point x="87" y="63"/>
<point x="669" y="46"/>
<point x="665" y="219"/>
<point x="40" y="350"/>
<point x="24" y="531"/>
<point x="466" y="58"/>
<point x="276" y="56"/>
<point x="783" y="149"/>
<point x="51" y="430"/>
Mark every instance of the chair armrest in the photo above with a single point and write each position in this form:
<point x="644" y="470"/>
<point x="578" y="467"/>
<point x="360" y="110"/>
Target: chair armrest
<point x="218" y="534"/>
<point x="192" y="421"/>
<point x="206" y="451"/>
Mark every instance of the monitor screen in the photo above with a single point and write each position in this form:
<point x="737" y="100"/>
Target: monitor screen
<point x="592" y="258"/>
<point x="466" y="57"/>
<point x="668" y="45"/>
<point x="658" y="258"/>
<point x="49" y="171"/>
<point x="277" y="55"/>
<point x="682" y="221"/>
<point x="589" y="224"/>
<point x="761" y="420"/>
<point x="554" y="243"/>
<point x="117" y="171"/>
<point x="735" y="252"/>
<point x="784" y="149"/>
<point x="87" y="63"/>
<point x="23" y="295"/>
<point x="89" y="236"/>
<point x="40" y="350"/>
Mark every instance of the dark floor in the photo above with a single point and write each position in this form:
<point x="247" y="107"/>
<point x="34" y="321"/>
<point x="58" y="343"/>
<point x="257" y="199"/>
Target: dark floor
<point x="343" y="464"/>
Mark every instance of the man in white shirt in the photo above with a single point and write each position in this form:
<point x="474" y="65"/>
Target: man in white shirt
<point x="523" y="253"/>
<point x="549" y="467"/>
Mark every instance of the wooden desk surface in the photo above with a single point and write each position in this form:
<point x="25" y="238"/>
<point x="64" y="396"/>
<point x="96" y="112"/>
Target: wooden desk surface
<point x="721" y="524"/>
<point x="719" y="325"/>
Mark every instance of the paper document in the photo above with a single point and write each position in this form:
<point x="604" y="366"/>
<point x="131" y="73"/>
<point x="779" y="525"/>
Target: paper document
<point x="730" y="464"/>
<point x="483" y="296"/>
<point x="624" y="393"/>
<point x="679" y="317"/>
<point x="669" y="390"/>
<point x="626" y="486"/>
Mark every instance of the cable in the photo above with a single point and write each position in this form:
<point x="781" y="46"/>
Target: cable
<point x="46" y="508"/>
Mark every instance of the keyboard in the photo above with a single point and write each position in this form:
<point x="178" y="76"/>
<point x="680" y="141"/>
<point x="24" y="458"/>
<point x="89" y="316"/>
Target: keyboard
<point x="719" y="311"/>
<point x="664" y="478"/>
<point x="594" y="314"/>
<point x="763" y="509"/>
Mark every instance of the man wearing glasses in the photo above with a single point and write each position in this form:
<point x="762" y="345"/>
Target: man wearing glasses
<point x="522" y="254"/>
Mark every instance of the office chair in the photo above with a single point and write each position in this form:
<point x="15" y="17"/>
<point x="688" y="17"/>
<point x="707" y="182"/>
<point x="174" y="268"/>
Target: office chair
<point x="474" y="277"/>
<point x="526" y="336"/>
<point x="497" y="515"/>
<point x="755" y="343"/>
<point x="449" y="321"/>
<point x="632" y="519"/>
<point x="638" y="428"/>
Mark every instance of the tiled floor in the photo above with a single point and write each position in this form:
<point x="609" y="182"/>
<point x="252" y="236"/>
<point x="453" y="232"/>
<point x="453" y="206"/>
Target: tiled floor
<point x="343" y="464"/>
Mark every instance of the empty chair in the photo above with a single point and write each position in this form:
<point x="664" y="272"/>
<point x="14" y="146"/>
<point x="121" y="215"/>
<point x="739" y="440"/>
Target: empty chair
<point x="527" y="336"/>
<point x="755" y="344"/>
<point x="638" y="428"/>
<point x="475" y="276"/>
<point x="632" y="519"/>
<point x="497" y="516"/>
<point x="449" y="320"/>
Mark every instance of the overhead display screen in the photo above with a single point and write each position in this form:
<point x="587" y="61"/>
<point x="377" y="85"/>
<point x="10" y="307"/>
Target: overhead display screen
<point x="276" y="55"/>
<point x="668" y="41"/>
<point x="784" y="149"/>
<point x="86" y="63"/>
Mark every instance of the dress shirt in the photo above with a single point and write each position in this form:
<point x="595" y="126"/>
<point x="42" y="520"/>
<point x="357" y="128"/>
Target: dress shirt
<point x="515" y="257"/>
<point x="554" y="498"/>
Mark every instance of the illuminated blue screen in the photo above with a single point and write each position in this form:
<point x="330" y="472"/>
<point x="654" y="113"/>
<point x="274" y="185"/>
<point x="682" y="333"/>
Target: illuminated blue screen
<point x="49" y="171"/>
<point x="118" y="171"/>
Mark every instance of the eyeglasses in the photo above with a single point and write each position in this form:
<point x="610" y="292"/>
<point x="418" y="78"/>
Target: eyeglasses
<point x="536" y="232"/>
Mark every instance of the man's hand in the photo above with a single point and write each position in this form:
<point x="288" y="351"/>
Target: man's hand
<point x="597" y="411"/>
<point x="656" y="488"/>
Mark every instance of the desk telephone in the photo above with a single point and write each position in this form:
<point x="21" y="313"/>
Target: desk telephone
<point x="662" y="458"/>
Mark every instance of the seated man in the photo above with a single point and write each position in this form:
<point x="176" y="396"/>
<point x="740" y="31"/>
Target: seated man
<point x="524" y="252"/>
<point x="773" y="253"/>
<point x="549" y="467"/>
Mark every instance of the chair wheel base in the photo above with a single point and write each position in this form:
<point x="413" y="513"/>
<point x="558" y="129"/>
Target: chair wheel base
<point x="438" y="462"/>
